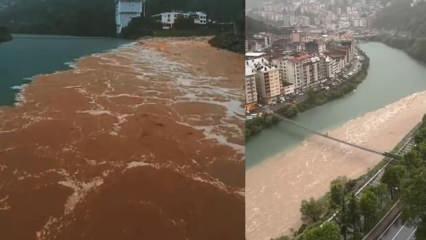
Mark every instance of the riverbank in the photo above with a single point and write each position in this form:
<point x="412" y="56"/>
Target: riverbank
<point x="84" y="146"/>
<point x="415" y="47"/>
<point x="315" y="98"/>
<point x="275" y="188"/>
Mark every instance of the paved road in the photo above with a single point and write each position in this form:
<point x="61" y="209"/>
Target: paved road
<point x="399" y="231"/>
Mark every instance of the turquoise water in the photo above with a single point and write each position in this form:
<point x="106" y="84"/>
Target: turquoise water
<point x="29" y="55"/>
<point x="392" y="76"/>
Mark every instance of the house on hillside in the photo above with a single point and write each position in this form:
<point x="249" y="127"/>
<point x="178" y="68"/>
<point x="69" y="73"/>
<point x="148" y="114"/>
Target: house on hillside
<point x="126" y="10"/>
<point x="168" y="19"/>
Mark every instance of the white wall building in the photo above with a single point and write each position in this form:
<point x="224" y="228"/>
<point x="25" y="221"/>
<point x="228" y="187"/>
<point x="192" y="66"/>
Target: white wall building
<point x="125" y="11"/>
<point x="168" y="19"/>
<point x="268" y="82"/>
<point x="200" y="18"/>
<point x="250" y="85"/>
<point x="289" y="89"/>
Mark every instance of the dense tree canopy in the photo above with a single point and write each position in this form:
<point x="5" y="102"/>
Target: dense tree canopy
<point x="400" y="15"/>
<point x="328" y="231"/>
<point x="312" y="209"/>
<point x="369" y="204"/>
<point x="69" y="17"/>
<point x="97" y="17"/>
<point x="411" y="175"/>
<point x="413" y="197"/>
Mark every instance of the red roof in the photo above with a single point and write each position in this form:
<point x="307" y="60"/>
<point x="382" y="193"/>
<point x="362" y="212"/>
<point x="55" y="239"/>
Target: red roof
<point x="300" y="58"/>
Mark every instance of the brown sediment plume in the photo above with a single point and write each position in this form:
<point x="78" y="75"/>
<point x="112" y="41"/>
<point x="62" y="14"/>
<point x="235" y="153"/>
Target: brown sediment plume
<point x="143" y="142"/>
<point x="276" y="187"/>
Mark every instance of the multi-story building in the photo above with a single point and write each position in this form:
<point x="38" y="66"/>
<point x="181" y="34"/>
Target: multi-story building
<point x="288" y="89"/>
<point x="268" y="83"/>
<point x="168" y="19"/>
<point x="125" y="11"/>
<point x="311" y="72"/>
<point x="330" y="67"/>
<point x="301" y="71"/>
<point x="250" y="85"/>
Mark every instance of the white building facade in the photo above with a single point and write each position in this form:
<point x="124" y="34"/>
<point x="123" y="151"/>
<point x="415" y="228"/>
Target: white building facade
<point x="168" y="19"/>
<point x="250" y="85"/>
<point x="126" y="10"/>
<point x="267" y="76"/>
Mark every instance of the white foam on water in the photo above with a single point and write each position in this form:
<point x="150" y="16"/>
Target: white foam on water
<point x="192" y="88"/>
<point x="81" y="189"/>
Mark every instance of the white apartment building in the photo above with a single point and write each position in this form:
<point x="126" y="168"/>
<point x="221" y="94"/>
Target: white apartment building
<point x="250" y="85"/>
<point x="298" y="71"/>
<point x="288" y="89"/>
<point x="125" y="11"/>
<point x="268" y="82"/>
<point x="302" y="71"/>
<point x="330" y="66"/>
<point x="168" y="19"/>
<point x="200" y="18"/>
<point x="311" y="72"/>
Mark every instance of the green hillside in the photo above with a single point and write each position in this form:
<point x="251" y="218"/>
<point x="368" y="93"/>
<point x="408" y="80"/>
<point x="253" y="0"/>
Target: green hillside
<point x="408" y="26"/>
<point x="97" y="17"/>
<point x="401" y="16"/>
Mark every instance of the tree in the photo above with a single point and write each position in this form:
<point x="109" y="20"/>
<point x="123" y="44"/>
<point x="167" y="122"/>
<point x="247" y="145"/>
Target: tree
<point x="382" y="194"/>
<point x="412" y="160"/>
<point x="420" y="136"/>
<point x="337" y="193"/>
<point x="368" y="206"/>
<point x="352" y="216"/>
<point x="141" y="26"/>
<point x="328" y="231"/>
<point x="184" y="23"/>
<point x="312" y="210"/>
<point x="392" y="178"/>
<point x="413" y="200"/>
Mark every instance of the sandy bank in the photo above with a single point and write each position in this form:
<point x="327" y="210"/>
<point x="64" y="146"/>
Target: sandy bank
<point x="275" y="188"/>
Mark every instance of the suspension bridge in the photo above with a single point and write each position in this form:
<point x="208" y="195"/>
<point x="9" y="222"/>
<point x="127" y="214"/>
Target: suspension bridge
<point x="326" y="136"/>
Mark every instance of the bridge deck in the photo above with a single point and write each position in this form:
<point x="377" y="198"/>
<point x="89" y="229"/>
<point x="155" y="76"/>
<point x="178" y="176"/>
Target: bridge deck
<point x="333" y="138"/>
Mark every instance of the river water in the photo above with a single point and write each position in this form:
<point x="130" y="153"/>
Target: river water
<point x="29" y="55"/>
<point x="392" y="76"/>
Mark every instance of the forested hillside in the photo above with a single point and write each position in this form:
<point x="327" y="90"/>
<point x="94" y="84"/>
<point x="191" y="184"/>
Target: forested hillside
<point x="96" y="17"/>
<point x="255" y="26"/>
<point x="402" y="16"/>
<point x="69" y="17"/>
<point x="406" y="26"/>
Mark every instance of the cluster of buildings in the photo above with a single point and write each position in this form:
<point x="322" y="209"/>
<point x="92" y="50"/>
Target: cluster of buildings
<point x="126" y="10"/>
<point x="312" y="46"/>
<point x="274" y="76"/>
<point x="168" y="19"/>
<point x="328" y="15"/>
